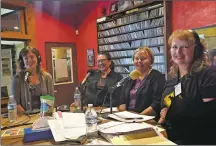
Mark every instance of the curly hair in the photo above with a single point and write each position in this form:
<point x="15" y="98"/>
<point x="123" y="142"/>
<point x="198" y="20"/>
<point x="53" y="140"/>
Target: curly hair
<point x="112" y="65"/>
<point x="198" y="61"/>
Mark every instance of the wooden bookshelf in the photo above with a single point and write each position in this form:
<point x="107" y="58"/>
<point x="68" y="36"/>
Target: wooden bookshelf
<point x="147" y="24"/>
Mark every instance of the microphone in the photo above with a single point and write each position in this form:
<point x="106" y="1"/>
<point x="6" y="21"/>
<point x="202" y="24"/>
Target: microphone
<point x="27" y="74"/>
<point x="89" y="73"/>
<point x="135" y="74"/>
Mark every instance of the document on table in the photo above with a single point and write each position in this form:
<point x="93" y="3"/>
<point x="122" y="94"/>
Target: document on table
<point x="130" y="117"/>
<point x="107" y="110"/>
<point x="74" y="126"/>
<point x="114" y="127"/>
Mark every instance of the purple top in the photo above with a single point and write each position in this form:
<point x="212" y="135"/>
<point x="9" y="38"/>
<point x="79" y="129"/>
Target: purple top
<point x="133" y="94"/>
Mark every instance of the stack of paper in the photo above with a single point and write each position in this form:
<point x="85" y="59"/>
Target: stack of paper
<point x="107" y="110"/>
<point x="74" y="126"/>
<point x="130" y="117"/>
<point x="121" y="133"/>
<point x="117" y="128"/>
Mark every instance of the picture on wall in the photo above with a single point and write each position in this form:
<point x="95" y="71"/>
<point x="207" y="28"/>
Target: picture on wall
<point x="90" y="57"/>
<point x="208" y="34"/>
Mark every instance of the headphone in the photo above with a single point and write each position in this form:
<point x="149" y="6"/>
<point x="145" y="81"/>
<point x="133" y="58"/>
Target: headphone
<point x="198" y="50"/>
<point x="26" y="50"/>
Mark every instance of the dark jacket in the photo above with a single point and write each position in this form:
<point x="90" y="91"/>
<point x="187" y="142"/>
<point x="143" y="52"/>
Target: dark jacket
<point x="148" y="94"/>
<point x="189" y="120"/>
<point x="92" y="96"/>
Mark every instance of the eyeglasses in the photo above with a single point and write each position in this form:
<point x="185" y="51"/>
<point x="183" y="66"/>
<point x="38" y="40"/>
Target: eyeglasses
<point x="101" y="60"/>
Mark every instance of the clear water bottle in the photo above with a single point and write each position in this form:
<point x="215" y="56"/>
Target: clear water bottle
<point x="12" y="109"/>
<point x="91" y="123"/>
<point x="77" y="99"/>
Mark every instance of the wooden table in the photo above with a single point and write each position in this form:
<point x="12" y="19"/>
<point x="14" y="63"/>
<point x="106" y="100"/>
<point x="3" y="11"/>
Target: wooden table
<point x="18" y="140"/>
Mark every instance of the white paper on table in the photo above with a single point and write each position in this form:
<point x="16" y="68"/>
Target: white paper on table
<point x="107" y="110"/>
<point x="126" y="128"/>
<point x="56" y="131"/>
<point x="74" y="126"/>
<point x="130" y="117"/>
<point x="108" y="125"/>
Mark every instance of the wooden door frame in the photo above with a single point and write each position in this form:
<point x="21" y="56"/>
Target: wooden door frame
<point x="74" y="56"/>
<point x="49" y="45"/>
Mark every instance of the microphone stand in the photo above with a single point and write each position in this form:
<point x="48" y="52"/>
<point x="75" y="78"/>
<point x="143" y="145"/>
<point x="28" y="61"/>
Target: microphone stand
<point x="112" y="89"/>
<point x="82" y="89"/>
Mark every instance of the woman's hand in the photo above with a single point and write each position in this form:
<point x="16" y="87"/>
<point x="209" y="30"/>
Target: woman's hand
<point x="122" y="107"/>
<point x="163" y="112"/>
<point x="20" y="109"/>
<point x="72" y="104"/>
<point x="163" y="115"/>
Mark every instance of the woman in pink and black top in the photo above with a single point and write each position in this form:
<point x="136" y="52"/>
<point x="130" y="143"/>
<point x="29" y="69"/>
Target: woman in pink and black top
<point x="143" y="95"/>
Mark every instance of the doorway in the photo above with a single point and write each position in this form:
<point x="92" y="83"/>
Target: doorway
<point x="61" y="63"/>
<point x="9" y="55"/>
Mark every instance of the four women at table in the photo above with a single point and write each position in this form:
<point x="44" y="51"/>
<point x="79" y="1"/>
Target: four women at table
<point x="188" y="101"/>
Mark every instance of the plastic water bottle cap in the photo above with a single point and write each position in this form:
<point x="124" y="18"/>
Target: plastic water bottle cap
<point x="90" y="105"/>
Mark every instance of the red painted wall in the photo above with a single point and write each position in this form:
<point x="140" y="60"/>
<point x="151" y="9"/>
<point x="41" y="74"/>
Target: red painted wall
<point x="193" y="14"/>
<point x="186" y="14"/>
<point x="87" y="38"/>
<point x="48" y="29"/>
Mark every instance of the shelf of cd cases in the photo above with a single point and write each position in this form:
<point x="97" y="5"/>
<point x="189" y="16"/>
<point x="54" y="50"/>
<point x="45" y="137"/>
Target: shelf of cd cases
<point x="121" y="33"/>
<point x="124" y="30"/>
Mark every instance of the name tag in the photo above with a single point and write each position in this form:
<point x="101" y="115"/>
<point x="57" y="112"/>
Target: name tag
<point x="178" y="89"/>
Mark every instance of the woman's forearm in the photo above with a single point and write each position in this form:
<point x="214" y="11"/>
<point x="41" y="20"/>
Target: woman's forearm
<point x="20" y="109"/>
<point x="161" y="120"/>
<point x="149" y="111"/>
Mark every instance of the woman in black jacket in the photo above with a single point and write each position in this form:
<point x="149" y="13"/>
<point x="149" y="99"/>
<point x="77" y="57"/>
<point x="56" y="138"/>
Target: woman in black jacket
<point x="143" y="95"/>
<point x="189" y="99"/>
<point x="100" y="81"/>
